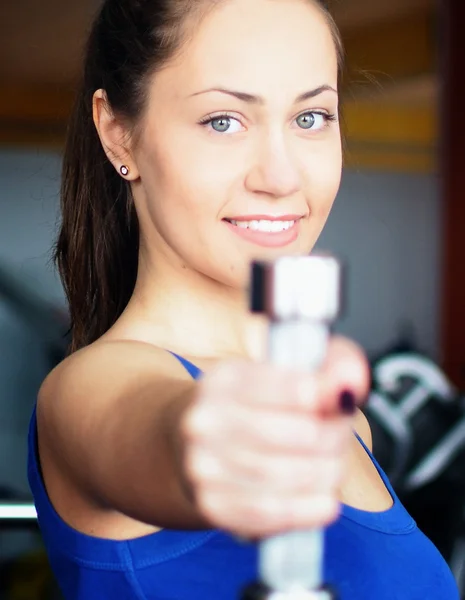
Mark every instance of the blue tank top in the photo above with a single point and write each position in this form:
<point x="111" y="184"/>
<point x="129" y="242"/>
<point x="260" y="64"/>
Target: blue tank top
<point x="368" y="556"/>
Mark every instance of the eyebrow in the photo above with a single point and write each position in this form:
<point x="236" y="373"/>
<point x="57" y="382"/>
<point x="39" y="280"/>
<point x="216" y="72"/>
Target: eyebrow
<point x="251" y="99"/>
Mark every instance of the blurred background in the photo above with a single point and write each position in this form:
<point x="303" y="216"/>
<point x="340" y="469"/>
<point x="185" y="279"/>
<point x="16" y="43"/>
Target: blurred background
<point x="398" y="223"/>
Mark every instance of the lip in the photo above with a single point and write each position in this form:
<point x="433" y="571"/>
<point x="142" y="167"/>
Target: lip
<point x="266" y="239"/>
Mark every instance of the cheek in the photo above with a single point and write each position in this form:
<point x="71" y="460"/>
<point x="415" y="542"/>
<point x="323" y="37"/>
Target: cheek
<point x="323" y="181"/>
<point x="196" y="176"/>
<point x="185" y="194"/>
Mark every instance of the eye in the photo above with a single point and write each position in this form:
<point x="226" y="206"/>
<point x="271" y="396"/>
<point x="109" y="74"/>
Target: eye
<point x="222" y="124"/>
<point x="314" y="120"/>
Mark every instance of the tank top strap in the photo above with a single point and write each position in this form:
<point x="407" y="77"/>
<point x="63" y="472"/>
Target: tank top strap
<point x="193" y="371"/>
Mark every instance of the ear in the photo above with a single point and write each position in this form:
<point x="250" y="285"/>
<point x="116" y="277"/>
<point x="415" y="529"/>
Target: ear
<point x="113" y="135"/>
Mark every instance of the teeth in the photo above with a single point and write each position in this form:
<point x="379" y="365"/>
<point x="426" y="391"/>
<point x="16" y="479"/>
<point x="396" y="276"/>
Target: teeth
<point x="266" y="226"/>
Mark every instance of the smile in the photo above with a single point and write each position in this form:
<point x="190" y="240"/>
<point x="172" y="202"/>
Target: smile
<point x="271" y="234"/>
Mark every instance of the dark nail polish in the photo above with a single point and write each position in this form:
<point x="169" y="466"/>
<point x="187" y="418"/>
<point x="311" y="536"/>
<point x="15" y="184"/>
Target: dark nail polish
<point x="347" y="403"/>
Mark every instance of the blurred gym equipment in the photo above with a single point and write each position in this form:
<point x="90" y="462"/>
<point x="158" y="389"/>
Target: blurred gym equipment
<point x="418" y="423"/>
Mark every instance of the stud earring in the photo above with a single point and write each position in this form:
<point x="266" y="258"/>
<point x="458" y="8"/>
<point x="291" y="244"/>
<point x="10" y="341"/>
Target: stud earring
<point x="124" y="170"/>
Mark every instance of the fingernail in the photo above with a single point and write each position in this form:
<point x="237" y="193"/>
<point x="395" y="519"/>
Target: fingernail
<point x="347" y="403"/>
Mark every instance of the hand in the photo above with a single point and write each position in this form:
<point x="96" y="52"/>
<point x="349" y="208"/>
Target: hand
<point x="266" y="448"/>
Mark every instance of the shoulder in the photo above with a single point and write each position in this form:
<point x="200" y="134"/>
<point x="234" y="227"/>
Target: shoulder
<point x="105" y="366"/>
<point x="110" y="354"/>
<point x="362" y="427"/>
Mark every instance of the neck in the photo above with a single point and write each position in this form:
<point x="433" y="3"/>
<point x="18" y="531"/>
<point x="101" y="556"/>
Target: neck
<point x="187" y="312"/>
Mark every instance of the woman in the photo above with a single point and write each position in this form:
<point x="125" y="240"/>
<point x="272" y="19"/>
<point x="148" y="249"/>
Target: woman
<point x="205" y="135"/>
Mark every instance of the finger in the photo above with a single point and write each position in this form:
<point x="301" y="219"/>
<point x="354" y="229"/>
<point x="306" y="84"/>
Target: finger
<point x="263" y="385"/>
<point x="305" y="435"/>
<point x="344" y="371"/>
<point x="264" y="514"/>
<point x="250" y="382"/>
<point x="342" y="382"/>
<point x="274" y="474"/>
<point x="274" y="432"/>
<point x="347" y="367"/>
<point x="230" y="426"/>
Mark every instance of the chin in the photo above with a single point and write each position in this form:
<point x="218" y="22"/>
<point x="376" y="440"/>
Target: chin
<point x="239" y="279"/>
<point x="239" y="273"/>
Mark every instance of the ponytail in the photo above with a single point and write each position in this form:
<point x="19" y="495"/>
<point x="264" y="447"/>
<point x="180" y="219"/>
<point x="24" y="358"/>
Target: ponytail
<point x="97" y="248"/>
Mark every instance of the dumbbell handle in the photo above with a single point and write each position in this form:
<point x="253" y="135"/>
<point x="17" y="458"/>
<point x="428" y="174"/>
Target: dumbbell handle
<point x="294" y="558"/>
<point x="301" y="298"/>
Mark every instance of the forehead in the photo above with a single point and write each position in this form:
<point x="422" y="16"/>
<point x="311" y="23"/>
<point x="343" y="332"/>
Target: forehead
<point x="257" y="43"/>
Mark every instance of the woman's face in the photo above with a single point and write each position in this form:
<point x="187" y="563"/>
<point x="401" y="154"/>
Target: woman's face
<point x="243" y="125"/>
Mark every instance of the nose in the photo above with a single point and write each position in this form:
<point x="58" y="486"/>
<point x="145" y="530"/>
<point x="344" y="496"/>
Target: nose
<point x="274" y="171"/>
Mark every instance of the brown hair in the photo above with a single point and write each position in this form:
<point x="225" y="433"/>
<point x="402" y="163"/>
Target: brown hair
<point x="97" y="248"/>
